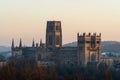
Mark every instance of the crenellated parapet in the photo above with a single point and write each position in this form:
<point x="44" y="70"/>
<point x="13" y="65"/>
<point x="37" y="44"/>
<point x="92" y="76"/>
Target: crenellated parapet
<point x="88" y="38"/>
<point x="89" y="34"/>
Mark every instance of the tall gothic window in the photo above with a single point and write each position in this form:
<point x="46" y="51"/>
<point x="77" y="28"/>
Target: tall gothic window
<point x="57" y="28"/>
<point x="57" y="40"/>
<point x="50" y="40"/>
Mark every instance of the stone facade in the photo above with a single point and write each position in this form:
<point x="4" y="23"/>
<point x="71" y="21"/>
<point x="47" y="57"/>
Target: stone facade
<point x="88" y="48"/>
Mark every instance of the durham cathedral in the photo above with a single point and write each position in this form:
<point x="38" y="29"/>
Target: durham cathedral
<point x="88" y="49"/>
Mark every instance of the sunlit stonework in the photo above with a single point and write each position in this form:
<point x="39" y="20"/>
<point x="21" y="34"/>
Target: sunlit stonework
<point x="87" y="51"/>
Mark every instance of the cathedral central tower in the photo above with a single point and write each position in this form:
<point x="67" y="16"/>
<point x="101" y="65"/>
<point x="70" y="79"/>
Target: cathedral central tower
<point x="53" y="35"/>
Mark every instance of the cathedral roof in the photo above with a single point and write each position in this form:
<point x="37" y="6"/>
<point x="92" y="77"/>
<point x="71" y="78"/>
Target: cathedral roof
<point x="68" y="48"/>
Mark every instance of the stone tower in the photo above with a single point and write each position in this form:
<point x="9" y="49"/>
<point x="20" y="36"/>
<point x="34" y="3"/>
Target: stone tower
<point x="53" y="35"/>
<point x="89" y="47"/>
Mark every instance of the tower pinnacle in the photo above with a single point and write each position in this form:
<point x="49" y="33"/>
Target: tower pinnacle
<point x="33" y="44"/>
<point x="20" y="44"/>
<point x="12" y="43"/>
<point x="40" y="42"/>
